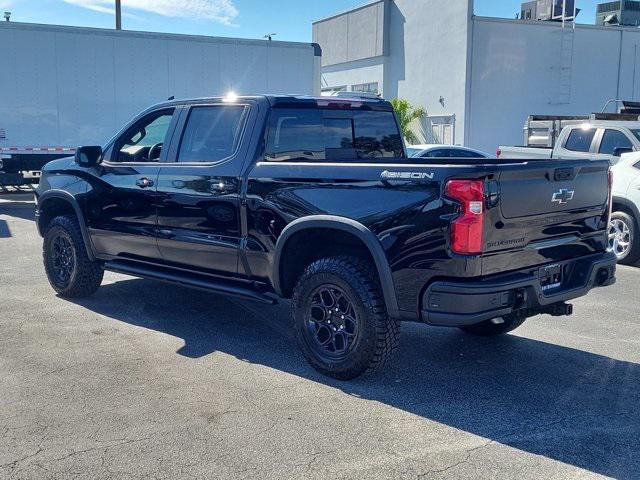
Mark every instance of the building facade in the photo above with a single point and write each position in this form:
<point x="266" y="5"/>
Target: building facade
<point x="478" y="78"/>
<point x="621" y="12"/>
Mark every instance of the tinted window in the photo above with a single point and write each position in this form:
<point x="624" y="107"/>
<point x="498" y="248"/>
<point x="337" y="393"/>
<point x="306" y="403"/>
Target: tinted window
<point x="318" y="135"/>
<point x="636" y="133"/>
<point x="439" y="153"/>
<point x="412" y="152"/>
<point x="613" y="139"/>
<point x="307" y="135"/>
<point x="212" y="133"/>
<point x="377" y="135"/>
<point x="580" y="140"/>
<point x="460" y="153"/>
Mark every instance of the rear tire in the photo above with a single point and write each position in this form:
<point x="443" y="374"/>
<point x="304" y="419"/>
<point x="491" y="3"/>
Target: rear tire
<point x="340" y="318"/>
<point x="624" y="238"/>
<point x="70" y="271"/>
<point x="490" y="328"/>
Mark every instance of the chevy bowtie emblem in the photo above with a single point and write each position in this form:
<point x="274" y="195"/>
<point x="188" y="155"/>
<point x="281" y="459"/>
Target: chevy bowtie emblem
<point x="563" y="196"/>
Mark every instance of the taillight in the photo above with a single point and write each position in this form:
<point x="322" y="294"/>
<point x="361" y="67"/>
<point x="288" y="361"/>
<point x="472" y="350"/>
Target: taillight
<point x="467" y="230"/>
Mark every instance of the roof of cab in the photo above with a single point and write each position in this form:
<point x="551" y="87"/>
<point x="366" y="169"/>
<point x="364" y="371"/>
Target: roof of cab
<point x="291" y="101"/>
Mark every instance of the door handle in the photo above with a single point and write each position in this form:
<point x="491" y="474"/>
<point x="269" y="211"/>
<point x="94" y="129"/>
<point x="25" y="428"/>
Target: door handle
<point x="144" y="183"/>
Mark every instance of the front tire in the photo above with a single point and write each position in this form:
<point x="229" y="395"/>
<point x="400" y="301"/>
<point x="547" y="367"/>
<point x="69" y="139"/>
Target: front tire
<point x="624" y="239"/>
<point x="340" y="319"/>
<point x="70" y="271"/>
<point x="494" y="327"/>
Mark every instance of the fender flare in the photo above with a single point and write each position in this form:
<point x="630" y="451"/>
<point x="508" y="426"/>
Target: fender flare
<point x="358" y="230"/>
<point x="73" y="201"/>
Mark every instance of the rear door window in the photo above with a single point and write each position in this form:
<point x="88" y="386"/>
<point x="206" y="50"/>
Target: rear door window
<point x="212" y="133"/>
<point x="613" y="139"/>
<point x="580" y="140"/>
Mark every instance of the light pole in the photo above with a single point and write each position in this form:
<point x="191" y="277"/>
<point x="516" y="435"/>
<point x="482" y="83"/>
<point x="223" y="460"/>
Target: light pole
<point x="118" y="15"/>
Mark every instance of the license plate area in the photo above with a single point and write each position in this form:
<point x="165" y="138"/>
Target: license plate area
<point x="550" y="277"/>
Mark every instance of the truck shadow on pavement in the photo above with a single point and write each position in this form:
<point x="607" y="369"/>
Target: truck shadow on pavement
<point x="569" y="405"/>
<point x="22" y="210"/>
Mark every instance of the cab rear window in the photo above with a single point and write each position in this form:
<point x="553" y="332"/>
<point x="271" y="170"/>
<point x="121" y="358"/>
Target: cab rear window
<point x="321" y="135"/>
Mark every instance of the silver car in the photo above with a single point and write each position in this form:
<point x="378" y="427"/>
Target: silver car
<point x="443" y="151"/>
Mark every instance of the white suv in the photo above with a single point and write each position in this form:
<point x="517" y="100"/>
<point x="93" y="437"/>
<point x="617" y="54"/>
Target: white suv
<point x="624" y="231"/>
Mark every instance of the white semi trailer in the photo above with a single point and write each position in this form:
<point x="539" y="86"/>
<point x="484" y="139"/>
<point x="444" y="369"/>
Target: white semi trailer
<point x="61" y="87"/>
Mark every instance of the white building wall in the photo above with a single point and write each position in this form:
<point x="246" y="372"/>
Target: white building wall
<point x="427" y="60"/>
<point x="69" y="86"/>
<point x="514" y="73"/>
<point x="353" y="35"/>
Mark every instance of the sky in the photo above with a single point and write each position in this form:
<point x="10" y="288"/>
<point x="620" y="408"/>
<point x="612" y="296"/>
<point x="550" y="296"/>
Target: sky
<point x="289" y="19"/>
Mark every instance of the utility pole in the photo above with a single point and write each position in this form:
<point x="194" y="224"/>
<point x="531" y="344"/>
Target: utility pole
<point x="118" y="15"/>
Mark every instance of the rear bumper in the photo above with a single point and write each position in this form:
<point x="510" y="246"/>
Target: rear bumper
<point x="459" y="303"/>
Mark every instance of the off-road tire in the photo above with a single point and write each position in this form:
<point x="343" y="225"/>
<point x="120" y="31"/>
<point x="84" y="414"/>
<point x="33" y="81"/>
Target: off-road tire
<point x="379" y="334"/>
<point x="489" y="328"/>
<point x="86" y="275"/>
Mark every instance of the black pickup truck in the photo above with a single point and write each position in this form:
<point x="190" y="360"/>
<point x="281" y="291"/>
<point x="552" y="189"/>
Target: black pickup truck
<point x="314" y="200"/>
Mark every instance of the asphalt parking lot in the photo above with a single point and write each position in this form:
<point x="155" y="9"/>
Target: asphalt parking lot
<point x="146" y="380"/>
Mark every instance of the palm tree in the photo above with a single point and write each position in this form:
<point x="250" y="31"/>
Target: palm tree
<point x="407" y="114"/>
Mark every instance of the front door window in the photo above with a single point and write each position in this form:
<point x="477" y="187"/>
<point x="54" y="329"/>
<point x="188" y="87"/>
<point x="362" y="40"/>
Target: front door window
<point x="144" y="141"/>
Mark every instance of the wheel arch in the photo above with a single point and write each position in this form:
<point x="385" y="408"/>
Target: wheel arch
<point x="54" y="199"/>
<point x="348" y="226"/>
<point x="627" y="206"/>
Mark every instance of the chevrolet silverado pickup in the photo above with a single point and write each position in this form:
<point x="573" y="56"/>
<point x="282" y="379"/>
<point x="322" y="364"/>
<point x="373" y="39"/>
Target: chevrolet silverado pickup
<point x="600" y="136"/>
<point x="314" y="200"/>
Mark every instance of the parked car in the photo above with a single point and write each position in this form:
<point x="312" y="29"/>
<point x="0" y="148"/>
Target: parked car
<point x="624" y="231"/>
<point x="598" y="137"/>
<point x="314" y="200"/>
<point x="443" y="151"/>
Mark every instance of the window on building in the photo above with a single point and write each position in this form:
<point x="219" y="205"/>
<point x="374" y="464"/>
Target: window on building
<point x="580" y="140"/>
<point x="212" y="133"/>
<point x="327" y="91"/>
<point x="319" y="135"/>
<point x="613" y="139"/>
<point x="366" y="88"/>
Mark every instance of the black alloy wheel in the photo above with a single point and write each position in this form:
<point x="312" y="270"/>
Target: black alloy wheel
<point x="332" y="323"/>
<point x="63" y="259"/>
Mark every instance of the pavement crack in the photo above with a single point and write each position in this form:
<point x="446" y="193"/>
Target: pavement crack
<point x="14" y="464"/>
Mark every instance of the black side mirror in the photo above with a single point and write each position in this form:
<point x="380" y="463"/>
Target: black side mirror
<point x="619" y="151"/>
<point x="88" y="156"/>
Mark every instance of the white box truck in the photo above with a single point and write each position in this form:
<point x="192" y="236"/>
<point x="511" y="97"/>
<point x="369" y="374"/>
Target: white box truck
<point x="61" y="87"/>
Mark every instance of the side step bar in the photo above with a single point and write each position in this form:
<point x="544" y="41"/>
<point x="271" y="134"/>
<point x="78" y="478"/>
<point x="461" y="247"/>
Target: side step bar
<point x="188" y="280"/>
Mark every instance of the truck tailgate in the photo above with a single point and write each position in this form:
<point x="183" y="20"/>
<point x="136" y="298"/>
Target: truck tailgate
<point x="546" y="212"/>
<point x="550" y="190"/>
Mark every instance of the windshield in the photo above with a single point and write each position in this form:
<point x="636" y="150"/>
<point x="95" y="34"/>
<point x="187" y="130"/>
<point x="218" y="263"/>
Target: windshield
<point x="636" y="133"/>
<point x="412" y="152"/>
